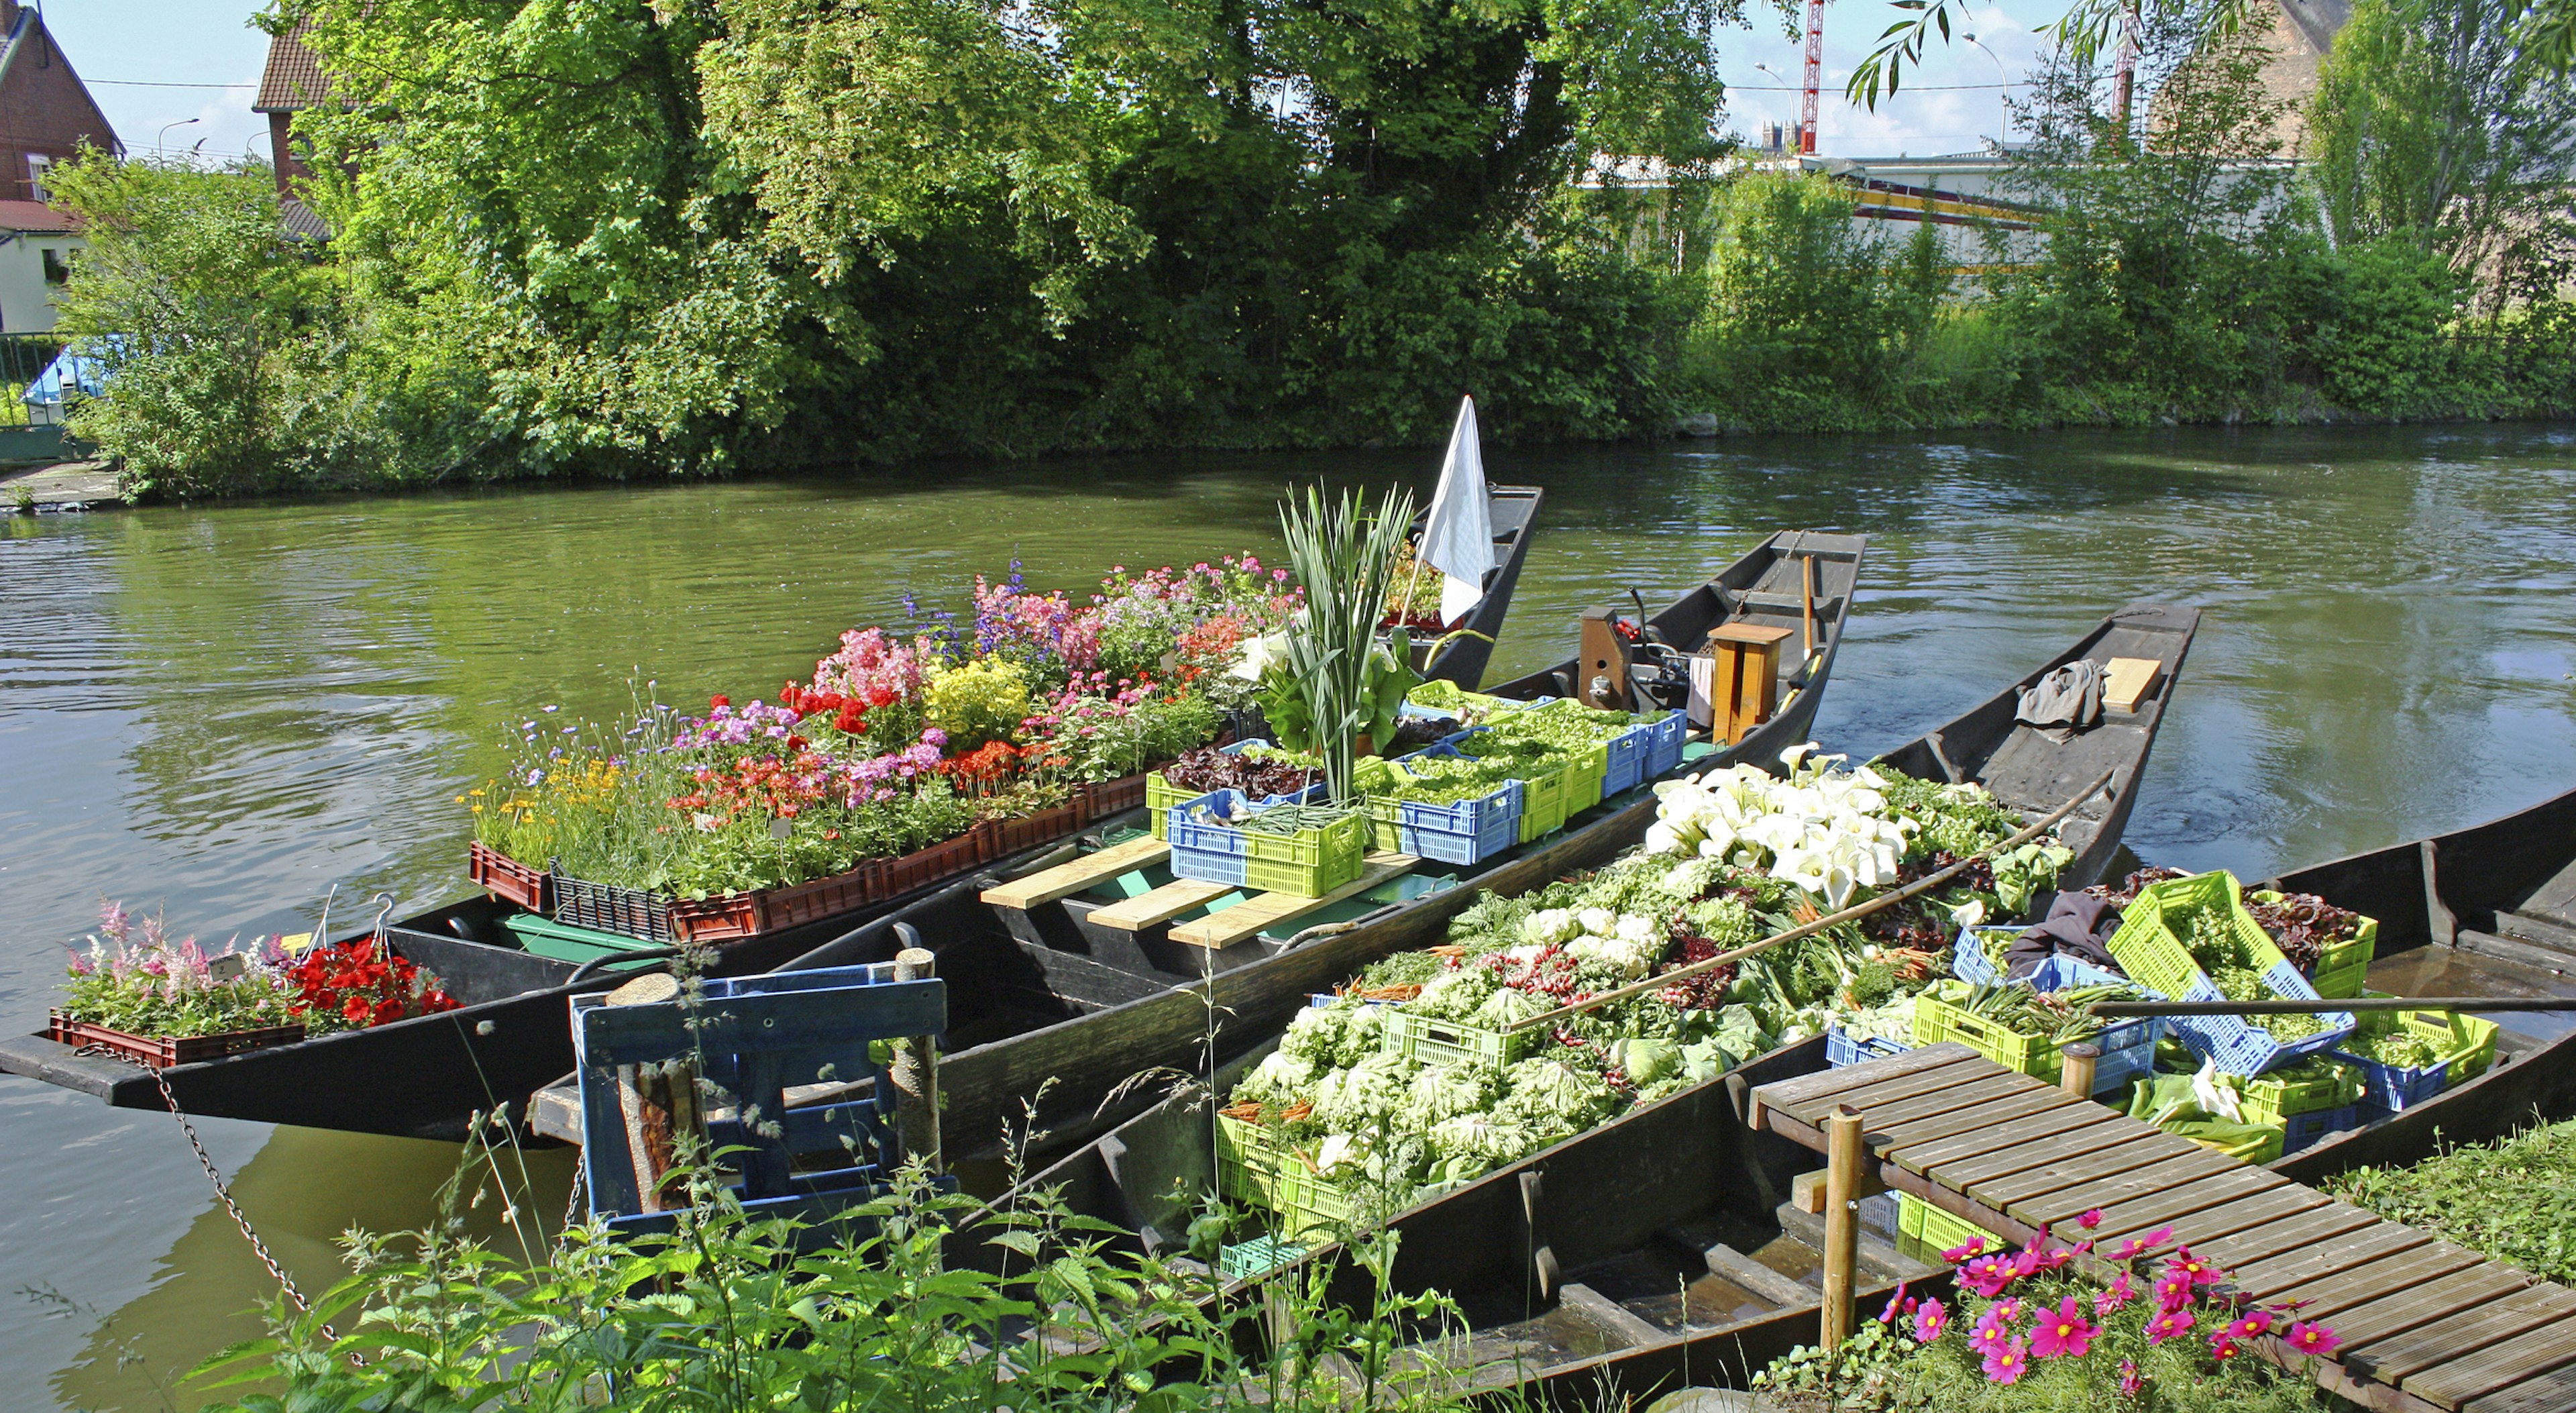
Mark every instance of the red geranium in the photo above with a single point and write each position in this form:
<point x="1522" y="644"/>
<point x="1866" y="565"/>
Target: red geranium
<point x="359" y="984"/>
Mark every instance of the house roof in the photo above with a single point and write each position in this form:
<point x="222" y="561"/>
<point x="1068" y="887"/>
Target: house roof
<point x="293" y="79"/>
<point x="36" y="217"/>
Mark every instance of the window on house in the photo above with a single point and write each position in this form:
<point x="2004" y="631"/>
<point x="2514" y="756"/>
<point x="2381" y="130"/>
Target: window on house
<point x="57" y="265"/>
<point x="36" y="176"/>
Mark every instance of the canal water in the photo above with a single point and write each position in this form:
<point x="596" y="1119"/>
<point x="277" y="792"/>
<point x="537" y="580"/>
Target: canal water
<point x="225" y="713"/>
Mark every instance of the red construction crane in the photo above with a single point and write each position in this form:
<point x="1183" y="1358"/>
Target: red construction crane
<point x="1807" y="102"/>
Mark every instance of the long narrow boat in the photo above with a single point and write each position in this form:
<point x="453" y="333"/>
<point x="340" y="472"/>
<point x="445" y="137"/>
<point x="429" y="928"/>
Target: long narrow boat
<point x="427" y="1077"/>
<point x="1658" y="1248"/>
<point x="1059" y="1020"/>
<point x="2485" y="911"/>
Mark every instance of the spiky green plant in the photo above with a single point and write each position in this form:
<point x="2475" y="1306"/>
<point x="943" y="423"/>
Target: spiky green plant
<point x="1345" y="557"/>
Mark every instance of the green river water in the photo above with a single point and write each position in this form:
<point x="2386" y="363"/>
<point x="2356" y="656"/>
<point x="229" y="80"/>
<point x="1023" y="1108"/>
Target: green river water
<point x="225" y="712"/>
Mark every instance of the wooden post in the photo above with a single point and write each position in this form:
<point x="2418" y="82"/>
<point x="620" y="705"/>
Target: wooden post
<point x="1740" y="670"/>
<point x="1807" y="573"/>
<point x="915" y="1072"/>
<point x="1844" y="1156"/>
<point x="2080" y="1060"/>
<point x="660" y="1106"/>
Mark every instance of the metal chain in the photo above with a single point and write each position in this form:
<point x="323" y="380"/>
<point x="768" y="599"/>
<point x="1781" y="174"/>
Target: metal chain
<point x="573" y="1204"/>
<point x="214" y="1175"/>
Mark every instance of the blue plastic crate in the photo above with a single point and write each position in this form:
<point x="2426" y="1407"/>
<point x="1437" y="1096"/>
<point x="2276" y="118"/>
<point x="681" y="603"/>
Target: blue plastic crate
<point x="2303" y="1130"/>
<point x="2393" y="1090"/>
<point x="2241" y="1047"/>
<point x="1968" y="957"/>
<point x="1841" y="1049"/>
<point x="1664" y="746"/>
<point x="1634" y="753"/>
<point x="1467" y="832"/>
<point x="1161" y="795"/>
<point x="2150" y="945"/>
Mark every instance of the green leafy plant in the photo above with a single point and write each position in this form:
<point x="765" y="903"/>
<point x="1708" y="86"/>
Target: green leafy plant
<point x="1345" y="558"/>
<point x="2512" y="1200"/>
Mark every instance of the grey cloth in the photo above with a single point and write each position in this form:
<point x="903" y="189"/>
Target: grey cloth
<point x="2077" y="925"/>
<point x="2066" y="701"/>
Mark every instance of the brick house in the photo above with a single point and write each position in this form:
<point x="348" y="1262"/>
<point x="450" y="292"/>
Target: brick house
<point x="292" y="82"/>
<point x="45" y="111"/>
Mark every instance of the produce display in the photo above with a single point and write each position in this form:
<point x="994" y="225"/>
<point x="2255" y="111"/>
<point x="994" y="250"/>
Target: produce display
<point x="133" y="979"/>
<point x="1258" y="771"/>
<point x="2403" y="1049"/>
<point x="2221" y="953"/>
<point x="1440" y="780"/>
<point x="2303" y="925"/>
<point x="897" y="742"/>
<point x="1411" y="1080"/>
<point x="2057" y="1017"/>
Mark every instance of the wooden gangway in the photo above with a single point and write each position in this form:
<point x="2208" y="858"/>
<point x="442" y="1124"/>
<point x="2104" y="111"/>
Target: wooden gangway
<point x="2425" y="1324"/>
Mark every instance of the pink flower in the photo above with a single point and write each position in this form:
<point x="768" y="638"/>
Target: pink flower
<point x="1987" y="1275"/>
<point x="2201" y="1272"/>
<point x="2175" y="1320"/>
<point x="2130" y="1383"/>
<point x="2117" y="1297"/>
<point x="2221" y="1347"/>
<point x="2309" y="1338"/>
<point x="1897" y="1304"/>
<point x="2129" y="1248"/>
<point x="2251" y="1324"/>
<point x="1929" y="1320"/>
<point x="2092" y="1218"/>
<point x="2173" y="1289"/>
<point x="1976" y="1247"/>
<point x="1993" y="1331"/>
<point x="2008" y="1364"/>
<point x="2064" y="1333"/>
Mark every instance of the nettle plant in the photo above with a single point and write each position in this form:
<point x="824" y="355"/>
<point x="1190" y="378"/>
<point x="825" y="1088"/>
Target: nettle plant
<point x="2026" y="1331"/>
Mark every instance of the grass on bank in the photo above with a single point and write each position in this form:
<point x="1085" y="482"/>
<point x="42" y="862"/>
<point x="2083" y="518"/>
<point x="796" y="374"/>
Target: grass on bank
<point x="2513" y="1200"/>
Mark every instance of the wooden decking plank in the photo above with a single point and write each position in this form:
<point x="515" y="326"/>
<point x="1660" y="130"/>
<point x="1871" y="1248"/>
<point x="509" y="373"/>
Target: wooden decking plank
<point x="2547" y="1392"/>
<point x="1863" y="1090"/>
<point x="1789" y="1096"/>
<point x="1250" y="917"/>
<point x="2315" y="1273"/>
<point x="2434" y="1300"/>
<point x="2463" y="1374"/>
<point x="2034" y="1123"/>
<point x="1160" y="905"/>
<point x="1066" y="879"/>
<point x="1907" y="1121"/>
<point x="2282" y="1235"/>
<point x="2242" y="1215"/>
<point x="2162" y="1177"/>
<point x="2508" y="1340"/>
<point x="2133" y="1211"/>
<point x="2136" y="1155"/>
<point x="2024" y="1153"/>
<point x="1925" y="1130"/>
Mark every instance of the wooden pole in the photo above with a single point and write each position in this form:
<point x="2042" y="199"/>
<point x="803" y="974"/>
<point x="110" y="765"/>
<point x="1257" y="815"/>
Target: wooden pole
<point x="1807" y="571"/>
<point x="1843" y="1158"/>
<point x="915" y="1072"/>
<point x="659" y="1104"/>
<point x="2080" y="1061"/>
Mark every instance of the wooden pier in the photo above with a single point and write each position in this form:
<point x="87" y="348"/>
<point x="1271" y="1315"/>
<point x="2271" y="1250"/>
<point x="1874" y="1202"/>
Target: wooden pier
<point x="2425" y="1325"/>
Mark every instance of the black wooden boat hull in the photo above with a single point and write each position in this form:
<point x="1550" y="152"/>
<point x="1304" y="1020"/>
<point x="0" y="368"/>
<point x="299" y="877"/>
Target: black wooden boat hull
<point x="2030" y="772"/>
<point x="2476" y="912"/>
<point x="1069" y="1078"/>
<point x="1514" y="515"/>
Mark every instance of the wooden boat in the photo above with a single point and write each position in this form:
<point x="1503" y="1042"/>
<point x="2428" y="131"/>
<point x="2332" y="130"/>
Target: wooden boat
<point x="1069" y="991"/>
<point x="1657" y="1249"/>
<point x="2485" y="911"/>
<point x="427" y="1077"/>
<point x="2027" y="769"/>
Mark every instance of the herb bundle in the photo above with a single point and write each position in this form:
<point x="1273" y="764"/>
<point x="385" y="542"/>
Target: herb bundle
<point x="2223" y="955"/>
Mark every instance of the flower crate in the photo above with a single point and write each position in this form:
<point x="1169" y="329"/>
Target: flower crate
<point x="1005" y="837"/>
<point x="506" y="878"/>
<point x="1842" y="1049"/>
<point x="2304" y="1130"/>
<point x="606" y="907"/>
<point x="2128" y="1049"/>
<point x="2463" y="1048"/>
<point x="1937" y="1230"/>
<point x="1103" y="798"/>
<point x="1469" y="831"/>
<point x="1438" y="1042"/>
<point x="1309" y="863"/>
<point x="162" y="1051"/>
<point x="2150" y="947"/>
<point x="2342" y="967"/>
<point x="1161" y="794"/>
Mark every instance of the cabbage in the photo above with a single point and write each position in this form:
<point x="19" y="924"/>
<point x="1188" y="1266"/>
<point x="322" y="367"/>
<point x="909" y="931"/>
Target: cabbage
<point x="1456" y="996"/>
<point x="1555" y="1098"/>
<point x="1280" y="1080"/>
<point x="1648" y="1061"/>
<point x="1506" y="1008"/>
<point x="1365" y="1097"/>
<point x="1448" y="1091"/>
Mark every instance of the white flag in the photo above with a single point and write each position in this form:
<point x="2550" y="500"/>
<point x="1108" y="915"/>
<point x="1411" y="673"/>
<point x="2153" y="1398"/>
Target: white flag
<point x="1458" y="535"/>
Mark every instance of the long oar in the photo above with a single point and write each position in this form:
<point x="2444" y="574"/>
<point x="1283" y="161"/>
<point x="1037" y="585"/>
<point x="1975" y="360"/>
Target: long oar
<point x="1809" y="929"/>
<point x="2290" y="1007"/>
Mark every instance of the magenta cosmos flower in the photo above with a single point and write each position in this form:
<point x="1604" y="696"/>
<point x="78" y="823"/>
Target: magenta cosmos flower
<point x="1929" y="1320"/>
<point x="2064" y="1333"/>
<point x="2008" y="1364"/>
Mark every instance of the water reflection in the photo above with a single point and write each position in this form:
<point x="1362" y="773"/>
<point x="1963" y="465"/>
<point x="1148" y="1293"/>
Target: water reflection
<point x="230" y="711"/>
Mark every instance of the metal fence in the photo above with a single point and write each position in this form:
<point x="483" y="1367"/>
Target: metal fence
<point x="23" y="359"/>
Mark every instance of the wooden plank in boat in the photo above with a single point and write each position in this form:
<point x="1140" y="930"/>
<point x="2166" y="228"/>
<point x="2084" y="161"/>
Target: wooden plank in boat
<point x="1160" y="905"/>
<point x="1250" y="917"/>
<point x="1066" y="879"/>
<point x="2127" y="680"/>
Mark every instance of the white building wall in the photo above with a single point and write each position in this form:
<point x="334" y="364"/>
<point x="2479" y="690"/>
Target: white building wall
<point x="26" y="297"/>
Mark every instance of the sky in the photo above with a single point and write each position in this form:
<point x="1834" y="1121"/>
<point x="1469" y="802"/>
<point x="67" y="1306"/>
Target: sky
<point x="151" y="63"/>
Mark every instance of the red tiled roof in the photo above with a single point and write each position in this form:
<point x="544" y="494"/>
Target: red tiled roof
<point x="36" y="216"/>
<point x="293" y="78"/>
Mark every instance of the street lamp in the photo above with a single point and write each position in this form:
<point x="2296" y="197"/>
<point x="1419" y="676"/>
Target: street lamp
<point x="2003" y="104"/>
<point x="161" y="143"/>
<point x="1784" y="83"/>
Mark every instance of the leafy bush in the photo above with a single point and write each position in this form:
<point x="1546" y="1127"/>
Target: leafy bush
<point x="2511" y="1201"/>
<point x="2385" y="344"/>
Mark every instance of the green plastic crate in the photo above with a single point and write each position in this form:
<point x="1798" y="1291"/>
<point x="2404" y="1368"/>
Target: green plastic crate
<point x="1936" y="1020"/>
<point x="1248" y="1159"/>
<point x="1439" y="1042"/>
<point x="1583" y="777"/>
<point x="1938" y="1230"/>
<point x="2270" y="1099"/>
<point x="1310" y="1206"/>
<point x="563" y="942"/>
<point x="1161" y="795"/>
<point x="2343" y="967"/>
<point x="1542" y="804"/>
<point x="2150" y="946"/>
<point x="1309" y="863"/>
<point x="1251" y="1260"/>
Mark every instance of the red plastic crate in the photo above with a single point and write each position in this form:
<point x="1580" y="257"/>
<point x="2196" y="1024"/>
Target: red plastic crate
<point x="504" y="877"/>
<point x="161" y="1052"/>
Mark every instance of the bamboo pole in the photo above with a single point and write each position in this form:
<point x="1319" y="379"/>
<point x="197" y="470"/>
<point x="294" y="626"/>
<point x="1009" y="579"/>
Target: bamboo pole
<point x="1843" y="1158"/>
<point x="915" y="1071"/>
<point x="1810" y="929"/>
<point x="1807" y="571"/>
<point x="2292" y="1007"/>
<point x="2080" y="1061"/>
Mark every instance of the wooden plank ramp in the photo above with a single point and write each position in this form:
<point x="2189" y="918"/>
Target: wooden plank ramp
<point x="2425" y="1325"/>
<point x="1249" y="918"/>
<point x="1066" y="879"/>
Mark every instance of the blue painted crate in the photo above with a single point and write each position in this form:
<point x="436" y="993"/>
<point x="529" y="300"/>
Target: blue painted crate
<point x="1841" y="1049"/>
<point x="1467" y="832"/>
<point x="2304" y="1130"/>
<point x="753" y="1038"/>
<point x="1664" y="747"/>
